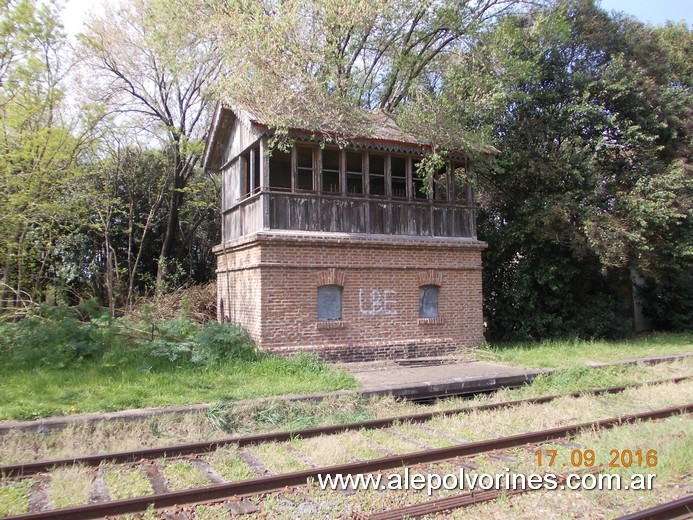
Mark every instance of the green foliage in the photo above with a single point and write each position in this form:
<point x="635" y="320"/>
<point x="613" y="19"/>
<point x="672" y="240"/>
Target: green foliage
<point x="55" y="337"/>
<point x="131" y="378"/>
<point x="589" y="114"/>
<point x="669" y="301"/>
<point x="576" y="352"/>
<point x="288" y="415"/>
<point x="39" y="144"/>
<point x="62" y="337"/>
<point x="583" y="378"/>
<point x="216" y="342"/>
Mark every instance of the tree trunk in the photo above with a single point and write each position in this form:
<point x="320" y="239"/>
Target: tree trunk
<point x="171" y="231"/>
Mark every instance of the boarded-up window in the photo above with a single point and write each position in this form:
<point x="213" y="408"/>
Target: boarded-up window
<point x="329" y="303"/>
<point x="428" y="302"/>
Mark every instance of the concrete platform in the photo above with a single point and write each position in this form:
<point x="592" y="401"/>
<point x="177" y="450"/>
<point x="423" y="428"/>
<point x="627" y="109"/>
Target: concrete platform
<point x="404" y="378"/>
<point x="407" y="377"/>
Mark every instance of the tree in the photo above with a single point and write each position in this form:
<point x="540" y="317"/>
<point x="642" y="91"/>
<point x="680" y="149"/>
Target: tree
<point x="159" y="77"/>
<point x="310" y="62"/>
<point x="591" y="115"/>
<point x="40" y="142"/>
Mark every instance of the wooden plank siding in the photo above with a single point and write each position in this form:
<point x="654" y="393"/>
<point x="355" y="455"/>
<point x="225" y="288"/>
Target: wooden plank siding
<point x="333" y="213"/>
<point x="250" y="202"/>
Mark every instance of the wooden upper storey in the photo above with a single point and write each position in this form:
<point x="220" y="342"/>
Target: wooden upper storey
<point x="369" y="186"/>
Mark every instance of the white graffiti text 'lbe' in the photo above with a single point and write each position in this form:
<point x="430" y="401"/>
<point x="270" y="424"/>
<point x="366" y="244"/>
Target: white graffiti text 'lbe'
<point x="377" y="301"/>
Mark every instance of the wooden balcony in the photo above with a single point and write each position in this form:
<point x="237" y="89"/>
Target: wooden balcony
<point x="310" y="211"/>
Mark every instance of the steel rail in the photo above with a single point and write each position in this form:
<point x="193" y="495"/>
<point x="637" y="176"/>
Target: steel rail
<point x="453" y="502"/>
<point x="32" y="468"/>
<point x="444" y="504"/>
<point x="267" y="484"/>
<point x="681" y="508"/>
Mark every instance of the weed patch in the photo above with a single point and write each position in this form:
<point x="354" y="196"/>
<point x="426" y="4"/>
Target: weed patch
<point x="127" y="483"/>
<point x="31" y="393"/>
<point x="288" y="415"/>
<point x="566" y="353"/>
<point x="70" y="487"/>
<point x="277" y="458"/>
<point x="181" y="475"/>
<point x="14" y="497"/>
<point x="229" y="466"/>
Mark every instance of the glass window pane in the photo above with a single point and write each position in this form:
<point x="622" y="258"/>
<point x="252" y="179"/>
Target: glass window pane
<point x="305" y="179"/>
<point x="354" y="184"/>
<point x="419" y="192"/>
<point x="459" y="177"/>
<point x="440" y="185"/>
<point x="330" y="181"/>
<point x="256" y="173"/>
<point x="399" y="188"/>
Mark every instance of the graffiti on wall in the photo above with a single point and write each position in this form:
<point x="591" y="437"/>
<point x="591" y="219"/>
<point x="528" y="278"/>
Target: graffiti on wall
<point x="377" y="301"/>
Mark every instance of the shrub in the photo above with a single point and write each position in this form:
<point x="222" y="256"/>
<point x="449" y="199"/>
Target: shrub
<point x="61" y="337"/>
<point x="669" y="301"/>
<point x="58" y="342"/>
<point x="216" y="342"/>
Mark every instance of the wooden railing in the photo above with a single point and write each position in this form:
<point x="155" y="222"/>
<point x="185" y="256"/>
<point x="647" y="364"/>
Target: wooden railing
<point x="334" y="213"/>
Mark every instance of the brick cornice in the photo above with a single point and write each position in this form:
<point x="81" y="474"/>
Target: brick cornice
<point x="301" y="238"/>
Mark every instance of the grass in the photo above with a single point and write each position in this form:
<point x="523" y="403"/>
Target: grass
<point x="570" y="353"/>
<point x="672" y="438"/>
<point x="127" y="483"/>
<point x="14" y="497"/>
<point x="226" y="462"/>
<point x="330" y="450"/>
<point x="70" y="486"/>
<point x="283" y="415"/>
<point x="181" y="475"/>
<point x="105" y="436"/>
<point x="277" y="458"/>
<point x="40" y="392"/>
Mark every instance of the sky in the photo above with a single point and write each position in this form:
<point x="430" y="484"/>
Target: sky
<point x="655" y="12"/>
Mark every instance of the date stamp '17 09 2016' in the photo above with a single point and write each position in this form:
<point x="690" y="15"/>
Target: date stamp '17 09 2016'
<point x="587" y="458"/>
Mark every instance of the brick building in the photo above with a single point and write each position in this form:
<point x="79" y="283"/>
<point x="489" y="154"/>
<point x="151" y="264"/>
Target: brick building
<point x="339" y="250"/>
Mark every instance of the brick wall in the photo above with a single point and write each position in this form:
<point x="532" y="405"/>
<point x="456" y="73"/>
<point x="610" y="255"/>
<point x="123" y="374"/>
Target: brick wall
<point x="268" y="284"/>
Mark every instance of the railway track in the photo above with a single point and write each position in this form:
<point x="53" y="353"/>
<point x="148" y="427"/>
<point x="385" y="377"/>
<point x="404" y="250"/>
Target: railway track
<point x="681" y="508"/>
<point x="220" y="492"/>
<point x="214" y="493"/>
<point x="34" y="468"/>
<point x="675" y="509"/>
